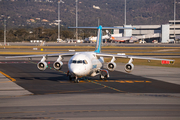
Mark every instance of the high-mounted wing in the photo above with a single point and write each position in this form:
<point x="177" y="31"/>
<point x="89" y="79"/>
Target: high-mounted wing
<point x="46" y="55"/>
<point x="129" y="66"/>
<point x="42" y="65"/>
<point x="129" y="56"/>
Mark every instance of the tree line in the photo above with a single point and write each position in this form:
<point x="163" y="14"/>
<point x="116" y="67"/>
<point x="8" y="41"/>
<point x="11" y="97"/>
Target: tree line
<point x="40" y="33"/>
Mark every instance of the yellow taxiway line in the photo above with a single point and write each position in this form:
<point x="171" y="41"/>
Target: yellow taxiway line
<point x="12" y="79"/>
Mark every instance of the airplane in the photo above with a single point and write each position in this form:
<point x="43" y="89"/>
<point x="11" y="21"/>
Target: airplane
<point x="82" y="64"/>
<point x="119" y="38"/>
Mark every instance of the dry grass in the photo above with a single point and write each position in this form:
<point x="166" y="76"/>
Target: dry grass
<point x="28" y="50"/>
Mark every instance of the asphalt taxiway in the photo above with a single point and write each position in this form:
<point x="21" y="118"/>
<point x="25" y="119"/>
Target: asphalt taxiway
<point x="50" y="95"/>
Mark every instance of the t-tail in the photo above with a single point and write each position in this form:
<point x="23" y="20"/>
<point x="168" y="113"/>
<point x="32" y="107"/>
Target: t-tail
<point x="99" y="34"/>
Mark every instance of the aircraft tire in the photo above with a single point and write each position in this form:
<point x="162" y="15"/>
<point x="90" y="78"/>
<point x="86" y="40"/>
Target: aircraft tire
<point x="103" y="77"/>
<point x="76" y="81"/>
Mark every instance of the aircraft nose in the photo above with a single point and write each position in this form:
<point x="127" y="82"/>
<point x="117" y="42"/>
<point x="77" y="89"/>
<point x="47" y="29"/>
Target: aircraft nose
<point x="75" y="70"/>
<point x="78" y="70"/>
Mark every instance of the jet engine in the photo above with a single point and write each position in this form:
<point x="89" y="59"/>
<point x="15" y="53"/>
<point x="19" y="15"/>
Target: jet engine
<point x="111" y="66"/>
<point x="58" y="65"/>
<point x="42" y="65"/>
<point x="129" y="67"/>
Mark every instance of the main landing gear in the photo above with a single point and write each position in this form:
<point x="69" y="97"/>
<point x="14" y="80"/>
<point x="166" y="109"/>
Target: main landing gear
<point x="104" y="74"/>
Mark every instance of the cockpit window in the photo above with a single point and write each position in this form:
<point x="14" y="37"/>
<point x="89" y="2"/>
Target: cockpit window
<point x="79" y="61"/>
<point x="74" y="61"/>
<point x="85" y="62"/>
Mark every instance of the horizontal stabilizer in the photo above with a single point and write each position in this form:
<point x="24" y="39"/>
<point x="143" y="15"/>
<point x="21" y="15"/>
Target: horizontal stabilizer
<point x="100" y="27"/>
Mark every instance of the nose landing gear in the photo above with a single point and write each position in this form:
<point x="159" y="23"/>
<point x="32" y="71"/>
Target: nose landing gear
<point x="76" y="80"/>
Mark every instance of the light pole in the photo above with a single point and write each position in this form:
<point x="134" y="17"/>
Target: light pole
<point x="98" y="8"/>
<point x="5" y="21"/>
<point x="4" y="32"/>
<point x="125" y="13"/>
<point x="76" y="19"/>
<point x="174" y="18"/>
<point x="59" y="21"/>
<point x="98" y="21"/>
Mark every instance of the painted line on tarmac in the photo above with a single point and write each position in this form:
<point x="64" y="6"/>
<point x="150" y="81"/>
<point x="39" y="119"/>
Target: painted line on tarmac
<point x="80" y="111"/>
<point x="12" y="79"/>
<point x="98" y="82"/>
<point x="91" y="81"/>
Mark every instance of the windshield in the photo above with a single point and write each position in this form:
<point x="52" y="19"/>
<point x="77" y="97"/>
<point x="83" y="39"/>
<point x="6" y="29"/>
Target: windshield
<point x="74" y="61"/>
<point x="79" y="62"/>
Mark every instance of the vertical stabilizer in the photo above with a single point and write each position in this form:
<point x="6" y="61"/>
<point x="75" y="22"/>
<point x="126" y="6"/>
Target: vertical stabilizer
<point x="99" y="36"/>
<point x="98" y="41"/>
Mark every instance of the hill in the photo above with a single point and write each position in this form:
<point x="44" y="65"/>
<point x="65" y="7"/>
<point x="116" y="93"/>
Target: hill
<point x="29" y="13"/>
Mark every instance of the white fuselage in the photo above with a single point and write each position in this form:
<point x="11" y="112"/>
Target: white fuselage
<point x="85" y="64"/>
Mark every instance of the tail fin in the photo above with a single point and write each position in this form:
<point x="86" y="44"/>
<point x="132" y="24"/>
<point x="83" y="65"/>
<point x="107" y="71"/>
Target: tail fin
<point x="98" y="41"/>
<point x="99" y="35"/>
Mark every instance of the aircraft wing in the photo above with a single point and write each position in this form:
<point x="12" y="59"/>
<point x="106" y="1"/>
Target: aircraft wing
<point x="47" y="55"/>
<point x="131" y="57"/>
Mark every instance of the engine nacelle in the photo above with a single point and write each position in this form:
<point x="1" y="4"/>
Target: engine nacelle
<point x="58" y="65"/>
<point x="129" y="67"/>
<point x="42" y="65"/>
<point x="111" y="66"/>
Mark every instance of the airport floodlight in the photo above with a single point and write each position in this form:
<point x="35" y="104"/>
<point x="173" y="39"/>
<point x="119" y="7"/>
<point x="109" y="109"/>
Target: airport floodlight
<point x="96" y="7"/>
<point x="61" y="1"/>
<point x="58" y="21"/>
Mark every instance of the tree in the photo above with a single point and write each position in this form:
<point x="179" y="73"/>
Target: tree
<point x="67" y="34"/>
<point x="21" y="34"/>
<point x="1" y="35"/>
<point x="11" y="36"/>
<point x="38" y="32"/>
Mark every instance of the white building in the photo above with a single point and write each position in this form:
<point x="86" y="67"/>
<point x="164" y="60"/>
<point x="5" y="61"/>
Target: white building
<point x="162" y="33"/>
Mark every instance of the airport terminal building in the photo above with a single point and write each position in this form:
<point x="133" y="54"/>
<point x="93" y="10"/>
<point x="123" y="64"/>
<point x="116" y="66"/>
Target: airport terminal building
<point x="162" y="33"/>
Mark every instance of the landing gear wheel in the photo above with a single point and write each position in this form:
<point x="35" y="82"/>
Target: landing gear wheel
<point x="76" y="80"/>
<point x="103" y="77"/>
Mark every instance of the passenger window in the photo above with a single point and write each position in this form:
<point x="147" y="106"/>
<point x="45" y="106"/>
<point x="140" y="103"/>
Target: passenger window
<point x="85" y="62"/>
<point x="74" y="61"/>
